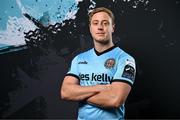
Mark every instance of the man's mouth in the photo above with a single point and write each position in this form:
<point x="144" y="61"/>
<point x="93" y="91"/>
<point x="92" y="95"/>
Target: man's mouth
<point x="100" y="33"/>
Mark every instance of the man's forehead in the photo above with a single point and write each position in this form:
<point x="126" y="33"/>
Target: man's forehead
<point x="98" y="14"/>
<point x="101" y="16"/>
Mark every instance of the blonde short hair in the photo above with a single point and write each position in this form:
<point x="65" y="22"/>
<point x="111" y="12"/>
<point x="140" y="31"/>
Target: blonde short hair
<point x="102" y="9"/>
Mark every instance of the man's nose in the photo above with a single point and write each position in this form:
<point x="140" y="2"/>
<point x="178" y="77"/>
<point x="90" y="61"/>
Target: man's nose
<point x="100" y="27"/>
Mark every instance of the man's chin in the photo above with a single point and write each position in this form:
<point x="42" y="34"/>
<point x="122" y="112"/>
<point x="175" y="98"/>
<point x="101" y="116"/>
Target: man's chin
<point x="102" y="41"/>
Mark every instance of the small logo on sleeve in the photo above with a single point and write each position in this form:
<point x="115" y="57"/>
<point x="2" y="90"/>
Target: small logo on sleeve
<point x="129" y="70"/>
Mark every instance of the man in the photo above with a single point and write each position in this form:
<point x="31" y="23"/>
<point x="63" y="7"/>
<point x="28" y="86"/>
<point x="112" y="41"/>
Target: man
<point x="100" y="78"/>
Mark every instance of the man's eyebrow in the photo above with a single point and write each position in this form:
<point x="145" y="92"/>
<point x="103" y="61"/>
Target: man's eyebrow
<point x="95" y="20"/>
<point x="98" y="20"/>
<point x="105" y="20"/>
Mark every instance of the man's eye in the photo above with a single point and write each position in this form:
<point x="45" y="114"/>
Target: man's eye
<point x="95" y="23"/>
<point x="106" y="23"/>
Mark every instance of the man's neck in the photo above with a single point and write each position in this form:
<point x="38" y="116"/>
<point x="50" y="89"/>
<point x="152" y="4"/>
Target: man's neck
<point x="101" y="47"/>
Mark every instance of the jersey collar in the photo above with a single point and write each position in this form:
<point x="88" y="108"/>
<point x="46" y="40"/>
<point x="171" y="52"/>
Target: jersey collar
<point x="105" y="51"/>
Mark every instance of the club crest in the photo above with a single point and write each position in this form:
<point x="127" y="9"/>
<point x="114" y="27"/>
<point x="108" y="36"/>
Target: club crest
<point x="109" y="63"/>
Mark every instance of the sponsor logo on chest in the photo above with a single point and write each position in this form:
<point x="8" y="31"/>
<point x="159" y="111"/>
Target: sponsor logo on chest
<point x="95" y="77"/>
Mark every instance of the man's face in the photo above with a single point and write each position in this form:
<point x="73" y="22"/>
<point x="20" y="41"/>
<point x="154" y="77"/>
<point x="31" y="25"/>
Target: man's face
<point x="101" y="27"/>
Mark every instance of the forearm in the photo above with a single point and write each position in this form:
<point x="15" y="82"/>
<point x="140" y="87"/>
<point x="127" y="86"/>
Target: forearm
<point x="114" y="97"/>
<point x="76" y="92"/>
<point x="104" y="99"/>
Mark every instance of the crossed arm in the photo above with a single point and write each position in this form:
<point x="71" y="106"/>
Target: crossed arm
<point x="110" y="95"/>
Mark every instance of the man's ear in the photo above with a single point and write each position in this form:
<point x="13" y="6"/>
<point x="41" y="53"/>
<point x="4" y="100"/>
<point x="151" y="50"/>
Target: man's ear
<point x="90" y="28"/>
<point x="113" y="28"/>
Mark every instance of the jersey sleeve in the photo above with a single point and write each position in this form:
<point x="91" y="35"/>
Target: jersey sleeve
<point x="126" y="70"/>
<point x="73" y="70"/>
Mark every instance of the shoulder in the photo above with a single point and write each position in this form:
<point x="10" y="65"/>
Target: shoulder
<point x="124" y="55"/>
<point x="84" y="54"/>
<point x="125" y="58"/>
